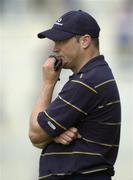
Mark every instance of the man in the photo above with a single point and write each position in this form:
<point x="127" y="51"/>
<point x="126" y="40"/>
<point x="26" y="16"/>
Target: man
<point x="79" y="131"/>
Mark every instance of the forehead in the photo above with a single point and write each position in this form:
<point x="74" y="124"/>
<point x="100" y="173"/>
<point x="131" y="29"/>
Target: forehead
<point x="69" y="40"/>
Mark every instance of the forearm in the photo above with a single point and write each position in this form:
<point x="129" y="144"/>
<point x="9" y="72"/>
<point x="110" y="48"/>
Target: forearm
<point x="43" y="101"/>
<point x="36" y="134"/>
<point x="50" y="77"/>
<point x="65" y="138"/>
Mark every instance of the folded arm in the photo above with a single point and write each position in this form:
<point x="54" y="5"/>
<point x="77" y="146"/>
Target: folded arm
<point x="50" y="78"/>
<point x="65" y="138"/>
<point x="37" y="135"/>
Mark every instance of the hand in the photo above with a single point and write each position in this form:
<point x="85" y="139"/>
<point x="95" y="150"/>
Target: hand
<point x="50" y="76"/>
<point x="68" y="136"/>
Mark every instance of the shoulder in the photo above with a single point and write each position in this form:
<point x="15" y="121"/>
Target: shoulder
<point x="98" y="75"/>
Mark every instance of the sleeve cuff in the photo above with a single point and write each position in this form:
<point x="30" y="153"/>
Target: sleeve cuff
<point x="50" y="127"/>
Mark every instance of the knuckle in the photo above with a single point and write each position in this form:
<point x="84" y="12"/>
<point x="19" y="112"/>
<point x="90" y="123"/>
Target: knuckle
<point x="74" y="130"/>
<point x="69" y="139"/>
<point x="44" y="66"/>
<point x="64" y="141"/>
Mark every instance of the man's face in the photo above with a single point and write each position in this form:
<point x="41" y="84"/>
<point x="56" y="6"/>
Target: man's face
<point x="69" y="51"/>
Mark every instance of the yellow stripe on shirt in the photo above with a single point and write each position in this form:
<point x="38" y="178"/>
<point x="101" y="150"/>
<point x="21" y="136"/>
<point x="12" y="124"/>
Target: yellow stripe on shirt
<point x="55" y="121"/>
<point x="78" y="109"/>
<point x="81" y="172"/>
<point x="110" y="124"/>
<point x="105" y="82"/>
<point x="108" y="104"/>
<point x="85" y="85"/>
<point x="102" y="144"/>
<point x="95" y="170"/>
<point x="72" y="153"/>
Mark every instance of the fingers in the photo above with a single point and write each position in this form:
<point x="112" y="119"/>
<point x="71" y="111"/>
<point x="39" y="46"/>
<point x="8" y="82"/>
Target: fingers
<point x="68" y="136"/>
<point x="79" y="136"/>
<point x="49" y="63"/>
<point x="73" y="133"/>
<point x="50" y="76"/>
<point x="62" y="140"/>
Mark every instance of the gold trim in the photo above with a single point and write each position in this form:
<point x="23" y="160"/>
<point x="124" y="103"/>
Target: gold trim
<point x="55" y="121"/>
<point x="52" y="174"/>
<point x="43" y="177"/>
<point x="104" y="83"/>
<point x="90" y="88"/>
<point x="99" y="107"/>
<point x="92" y="171"/>
<point x="110" y="124"/>
<point x="63" y="174"/>
<point x="108" y="104"/>
<point x="78" y="109"/>
<point x="81" y="76"/>
<point x="113" y="102"/>
<point x="102" y="144"/>
<point x="70" y="153"/>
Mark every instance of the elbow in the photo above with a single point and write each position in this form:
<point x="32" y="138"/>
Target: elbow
<point x="34" y="138"/>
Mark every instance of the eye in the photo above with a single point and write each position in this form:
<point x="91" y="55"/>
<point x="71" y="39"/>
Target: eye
<point x="58" y="42"/>
<point x="63" y="41"/>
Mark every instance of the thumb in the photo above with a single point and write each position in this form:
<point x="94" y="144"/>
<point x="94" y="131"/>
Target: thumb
<point x="79" y="136"/>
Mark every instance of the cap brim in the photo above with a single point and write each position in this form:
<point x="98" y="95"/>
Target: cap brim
<point x="55" y="35"/>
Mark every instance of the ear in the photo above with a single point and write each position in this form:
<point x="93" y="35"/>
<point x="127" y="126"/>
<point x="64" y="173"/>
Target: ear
<point x="85" y="41"/>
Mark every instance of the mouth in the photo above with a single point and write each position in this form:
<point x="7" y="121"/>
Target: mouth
<point x="62" y="58"/>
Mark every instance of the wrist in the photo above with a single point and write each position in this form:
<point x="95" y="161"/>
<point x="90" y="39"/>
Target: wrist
<point x="48" y="85"/>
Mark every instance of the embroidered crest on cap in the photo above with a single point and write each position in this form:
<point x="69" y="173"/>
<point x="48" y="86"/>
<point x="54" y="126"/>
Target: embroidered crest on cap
<point x="58" y="22"/>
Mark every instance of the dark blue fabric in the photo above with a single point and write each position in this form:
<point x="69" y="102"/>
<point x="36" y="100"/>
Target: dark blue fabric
<point x="70" y="24"/>
<point x="81" y="177"/>
<point x="93" y="91"/>
<point x="85" y="177"/>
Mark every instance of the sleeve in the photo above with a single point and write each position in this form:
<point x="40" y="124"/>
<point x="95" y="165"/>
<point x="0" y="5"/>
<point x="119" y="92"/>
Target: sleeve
<point x="70" y="107"/>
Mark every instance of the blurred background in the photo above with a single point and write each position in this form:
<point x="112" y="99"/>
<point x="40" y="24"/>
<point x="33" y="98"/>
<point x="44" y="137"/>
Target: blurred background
<point x="21" y="57"/>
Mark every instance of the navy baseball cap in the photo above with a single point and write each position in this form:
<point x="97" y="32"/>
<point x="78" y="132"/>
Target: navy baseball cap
<point x="70" y="24"/>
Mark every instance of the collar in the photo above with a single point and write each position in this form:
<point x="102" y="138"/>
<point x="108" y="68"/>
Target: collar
<point x="96" y="61"/>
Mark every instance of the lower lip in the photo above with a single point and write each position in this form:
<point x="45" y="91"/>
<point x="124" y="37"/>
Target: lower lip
<point x="61" y="57"/>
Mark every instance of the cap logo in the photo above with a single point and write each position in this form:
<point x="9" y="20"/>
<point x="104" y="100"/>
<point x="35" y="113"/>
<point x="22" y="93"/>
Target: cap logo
<point x="58" y="22"/>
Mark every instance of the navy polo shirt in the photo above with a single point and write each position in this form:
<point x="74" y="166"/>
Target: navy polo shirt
<point x="90" y="102"/>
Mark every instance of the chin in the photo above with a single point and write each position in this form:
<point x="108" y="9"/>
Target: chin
<point x="66" y="66"/>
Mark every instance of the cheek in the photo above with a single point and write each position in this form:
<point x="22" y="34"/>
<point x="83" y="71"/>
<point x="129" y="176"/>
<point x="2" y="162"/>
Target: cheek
<point x="71" y="51"/>
<point x="66" y="52"/>
<point x="74" y="51"/>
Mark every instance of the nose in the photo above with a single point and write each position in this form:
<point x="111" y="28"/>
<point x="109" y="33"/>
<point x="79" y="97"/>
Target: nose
<point x="56" y="48"/>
